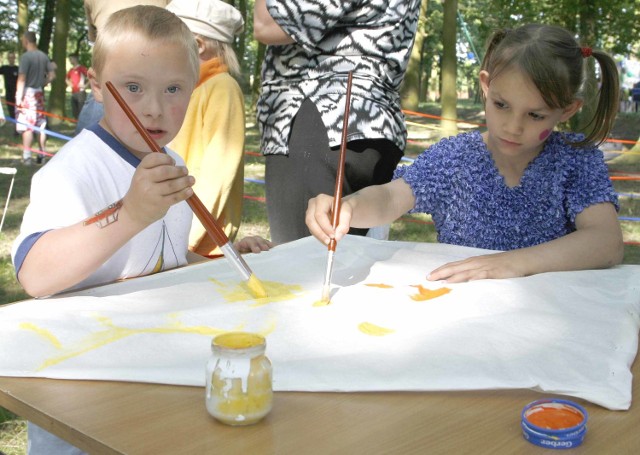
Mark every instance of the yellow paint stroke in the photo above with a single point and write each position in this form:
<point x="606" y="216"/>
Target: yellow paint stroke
<point x="44" y="333"/>
<point x="256" y="287"/>
<point x="240" y="292"/>
<point x="374" y="330"/>
<point x="379" y="285"/>
<point x="113" y="333"/>
<point x="428" y="294"/>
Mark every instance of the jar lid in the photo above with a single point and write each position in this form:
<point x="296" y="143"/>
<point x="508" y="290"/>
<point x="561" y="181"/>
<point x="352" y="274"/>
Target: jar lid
<point x="554" y="423"/>
<point x="239" y="341"/>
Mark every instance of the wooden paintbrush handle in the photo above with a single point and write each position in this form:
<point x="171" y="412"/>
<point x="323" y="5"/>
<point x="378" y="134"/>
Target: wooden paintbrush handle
<point x="337" y="194"/>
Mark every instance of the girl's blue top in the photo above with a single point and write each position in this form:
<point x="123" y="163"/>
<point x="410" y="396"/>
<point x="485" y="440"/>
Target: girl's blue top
<point x="458" y="183"/>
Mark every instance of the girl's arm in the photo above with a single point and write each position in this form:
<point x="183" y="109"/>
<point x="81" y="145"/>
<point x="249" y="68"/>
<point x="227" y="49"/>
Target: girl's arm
<point x="597" y="243"/>
<point x="371" y="206"/>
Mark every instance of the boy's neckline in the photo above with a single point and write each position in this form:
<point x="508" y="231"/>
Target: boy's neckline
<point x="115" y="145"/>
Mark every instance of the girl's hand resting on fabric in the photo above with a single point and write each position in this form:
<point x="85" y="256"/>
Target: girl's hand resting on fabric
<point x="319" y="218"/>
<point x="157" y="184"/>
<point x="253" y="244"/>
<point x="496" y="265"/>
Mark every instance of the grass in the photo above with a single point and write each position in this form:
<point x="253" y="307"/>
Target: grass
<point x="417" y="228"/>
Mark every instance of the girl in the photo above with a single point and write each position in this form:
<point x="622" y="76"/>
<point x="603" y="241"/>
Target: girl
<point x="543" y="197"/>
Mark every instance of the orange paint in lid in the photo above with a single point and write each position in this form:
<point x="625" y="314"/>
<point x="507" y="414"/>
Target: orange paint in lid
<point x="554" y="423"/>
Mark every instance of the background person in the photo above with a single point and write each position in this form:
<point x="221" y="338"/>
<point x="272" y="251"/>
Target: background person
<point x="77" y="81"/>
<point x="35" y="71"/>
<point x="301" y="105"/>
<point x="211" y="140"/>
<point x="10" y="74"/>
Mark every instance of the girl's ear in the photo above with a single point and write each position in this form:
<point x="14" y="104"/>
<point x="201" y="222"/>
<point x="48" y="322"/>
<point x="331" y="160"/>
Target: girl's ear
<point x="201" y="45"/>
<point x="96" y="88"/>
<point x="570" y="110"/>
<point x="484" y="82"/>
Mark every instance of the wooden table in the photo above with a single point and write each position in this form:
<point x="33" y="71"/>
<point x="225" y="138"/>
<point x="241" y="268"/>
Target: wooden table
<point x="134" y="418"/>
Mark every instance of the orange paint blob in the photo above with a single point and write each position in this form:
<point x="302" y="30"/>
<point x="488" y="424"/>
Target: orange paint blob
<point x="427" y="294"/>
<point x="555" y="417"/>
<point x="379" y="285"/>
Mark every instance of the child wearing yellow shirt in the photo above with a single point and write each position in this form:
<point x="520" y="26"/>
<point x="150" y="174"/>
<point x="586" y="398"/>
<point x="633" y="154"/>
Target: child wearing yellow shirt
<point x="211" y="140"/>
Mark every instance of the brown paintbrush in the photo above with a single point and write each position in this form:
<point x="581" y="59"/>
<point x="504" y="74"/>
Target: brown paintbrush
<point x="210" y="224"/>
<point x="337" y="196"/>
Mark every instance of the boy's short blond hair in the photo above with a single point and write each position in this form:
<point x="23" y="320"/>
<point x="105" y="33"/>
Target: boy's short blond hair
<point x="152" y="22"/>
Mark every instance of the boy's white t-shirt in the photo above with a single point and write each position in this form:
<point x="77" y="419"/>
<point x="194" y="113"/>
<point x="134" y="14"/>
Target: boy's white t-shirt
<point x="88" y="174"/>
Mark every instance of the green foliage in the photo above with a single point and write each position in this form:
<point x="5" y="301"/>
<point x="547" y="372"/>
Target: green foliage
<point x="76" y="40"/>
<point x="13" y="434"/>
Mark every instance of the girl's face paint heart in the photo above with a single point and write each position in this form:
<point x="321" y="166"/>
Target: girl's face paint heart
<point x="544" y="134"/>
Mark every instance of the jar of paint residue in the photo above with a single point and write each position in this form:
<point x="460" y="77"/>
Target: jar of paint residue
<point x="554" y="423"/>
<point x="239" y="386"/>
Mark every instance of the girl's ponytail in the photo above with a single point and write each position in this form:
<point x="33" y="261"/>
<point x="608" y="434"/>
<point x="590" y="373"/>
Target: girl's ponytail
<point x="607" y="107"/>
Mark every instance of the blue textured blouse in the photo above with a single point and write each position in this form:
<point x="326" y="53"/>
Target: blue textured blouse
<point x="458" y="183"/>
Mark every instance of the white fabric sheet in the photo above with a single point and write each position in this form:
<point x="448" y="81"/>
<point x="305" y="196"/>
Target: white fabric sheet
<point x="572" y="333"/>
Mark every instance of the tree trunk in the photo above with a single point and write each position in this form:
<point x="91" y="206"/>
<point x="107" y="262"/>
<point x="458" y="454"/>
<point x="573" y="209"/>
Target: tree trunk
<point x="427" y="68"/>
<point x="410" y="90"/>
<point x="23" y="21"/>
<point x="449" y="64"/>
<point x="46" y="26"/>
<point x="57" y="97"/>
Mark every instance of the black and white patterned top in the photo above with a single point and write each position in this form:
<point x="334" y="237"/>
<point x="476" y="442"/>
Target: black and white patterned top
<point x="371" y="38"/>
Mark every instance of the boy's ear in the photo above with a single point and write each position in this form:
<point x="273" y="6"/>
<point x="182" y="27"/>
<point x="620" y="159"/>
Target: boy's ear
<point x="570" y="110"/>
<point x="96" y="88"/>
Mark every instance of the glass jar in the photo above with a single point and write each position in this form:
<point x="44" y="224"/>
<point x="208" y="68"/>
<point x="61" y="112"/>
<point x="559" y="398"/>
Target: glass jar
<point x="239" y="387"/>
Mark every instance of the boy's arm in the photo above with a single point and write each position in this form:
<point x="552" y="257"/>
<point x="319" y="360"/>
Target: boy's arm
<point x="371" y="206"/>
<point x="596" y="243"/>
<point x="63" y="257"/>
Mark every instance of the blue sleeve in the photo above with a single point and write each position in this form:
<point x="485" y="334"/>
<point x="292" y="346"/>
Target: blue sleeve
<point x="24" y="248"/>
<point x="589" y="183"/>
<point x="430" y="177"/>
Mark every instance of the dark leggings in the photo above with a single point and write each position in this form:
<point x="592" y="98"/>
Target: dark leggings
<point x="310" y="169"/>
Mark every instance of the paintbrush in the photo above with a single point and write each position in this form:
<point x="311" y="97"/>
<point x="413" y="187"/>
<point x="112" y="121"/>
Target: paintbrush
<point x="337" y="196"/>
<point x="210" y="224"/>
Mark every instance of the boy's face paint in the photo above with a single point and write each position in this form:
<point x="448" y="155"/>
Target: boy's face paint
<point x="154" y="80"/>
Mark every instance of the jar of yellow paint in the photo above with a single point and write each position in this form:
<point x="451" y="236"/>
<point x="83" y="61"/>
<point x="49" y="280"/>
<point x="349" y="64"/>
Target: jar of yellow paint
<point x="239" y="385"/>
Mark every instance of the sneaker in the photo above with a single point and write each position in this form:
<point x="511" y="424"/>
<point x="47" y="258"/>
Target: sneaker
<point x="26" y="161"/>
<point x="39" y="158"/>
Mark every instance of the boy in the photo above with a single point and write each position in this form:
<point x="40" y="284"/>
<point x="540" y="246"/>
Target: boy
<point x="106" y="207"/>
<point x="105" y="191"/>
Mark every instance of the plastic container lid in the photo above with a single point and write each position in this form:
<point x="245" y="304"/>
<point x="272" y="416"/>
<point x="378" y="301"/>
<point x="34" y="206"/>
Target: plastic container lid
<point x="554" y="423"/>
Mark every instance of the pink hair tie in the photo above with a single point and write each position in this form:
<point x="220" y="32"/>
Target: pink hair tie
<point x="586" y="52"/>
